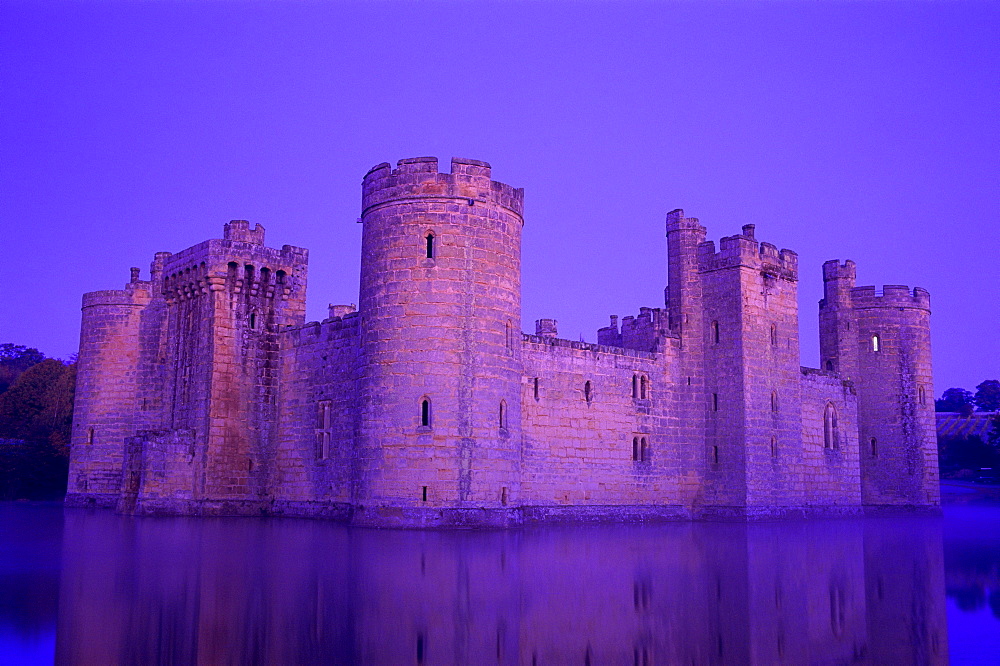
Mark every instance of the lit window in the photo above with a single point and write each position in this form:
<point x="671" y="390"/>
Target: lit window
<point x="876" y="343"/>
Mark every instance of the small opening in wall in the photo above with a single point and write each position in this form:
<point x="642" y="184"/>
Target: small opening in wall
<point x="715" y="332"/>
<point x="689" y="381"/>
<point x="421" y="648"/>
<point x="588" y="391"/>
<point x="876" y="343"/>
<point x="503" y="495"/>
<point x="90" y="435"/>
<point x="715" y="402"/>
<point x="644" y="450"/>
<point x="536" y="388"/>
<point x="921" y="395"/>
<point x="635" y="386"/>
<point x="774" y="401"/>
<point x="635" y="448"/>
<point x="873" y="444"/>
<point x="774" y="447"/>
<point x="430" y="246"/>
<point x="829" y="366"/>
<point x="774" y="335"/>
<point x="253" y="320"/>
<point x="831" y="436"/>
<point x="643" y="387"/>
<point x="715" y="455"/>
<point x="425" y="412"/>
<point x="503" y="414"/>
<point x="423" y="493"/>
<point x="249" y="465"/>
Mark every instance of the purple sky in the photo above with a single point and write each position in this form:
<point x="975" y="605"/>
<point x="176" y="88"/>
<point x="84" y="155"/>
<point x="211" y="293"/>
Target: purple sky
<point x="846" y="130"/>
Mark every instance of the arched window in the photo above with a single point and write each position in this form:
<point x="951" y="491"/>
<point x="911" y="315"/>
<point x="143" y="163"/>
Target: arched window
<point x="253" y="320"/>
<point x="425" y="412"/>
<point x="644" y="450"/>
<point x="921" y="396"/>
<point x="643" y="387"/>
<point x="774" y="335"/>
<point x="715" y="331"/>
<point x="430" y="245"/>
<point x="774" y="401"/>
<point x="635" y="448"/>
<point x="635" y="386"/>
<point x="829" y="366"/>
<point x="588" y="391"/>
<point x="876" y="343"/>
<point x="873" y="444"/>
<point x="503" y="413"/>
<point x="509" y="336"/>
<point x="536" y="388"/>
<point x="831" y="438"/>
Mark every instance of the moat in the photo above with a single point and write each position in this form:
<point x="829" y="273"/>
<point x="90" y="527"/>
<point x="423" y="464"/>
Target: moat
<point x="82" y="586"/>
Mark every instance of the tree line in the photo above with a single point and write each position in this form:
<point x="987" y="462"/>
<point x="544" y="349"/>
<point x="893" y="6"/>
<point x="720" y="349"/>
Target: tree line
<point x="963" y="455"/>
<point x="36" y="414"/>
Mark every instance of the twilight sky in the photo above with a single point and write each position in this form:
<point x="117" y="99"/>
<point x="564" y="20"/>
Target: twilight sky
<point x="842" y="130"/>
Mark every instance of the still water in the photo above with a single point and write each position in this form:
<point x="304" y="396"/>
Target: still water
<point x="90" y="587"/>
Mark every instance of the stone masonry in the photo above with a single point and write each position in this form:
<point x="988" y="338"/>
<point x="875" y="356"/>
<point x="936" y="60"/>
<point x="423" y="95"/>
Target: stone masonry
<point x="203" y="391"/>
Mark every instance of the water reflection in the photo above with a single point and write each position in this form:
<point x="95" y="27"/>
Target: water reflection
<point x="296" y="591"/>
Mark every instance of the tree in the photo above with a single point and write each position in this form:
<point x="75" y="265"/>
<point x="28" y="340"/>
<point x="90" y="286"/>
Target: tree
<point x="954" y="400"/>
<point x="988" y="396"/>
<point x="15" y="359"/>
<point x="36" y="413"/>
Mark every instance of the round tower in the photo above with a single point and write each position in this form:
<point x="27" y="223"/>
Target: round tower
<point x="440" y="367"/>
<point x="898" y="442"/>
<point x="104" y="411"/>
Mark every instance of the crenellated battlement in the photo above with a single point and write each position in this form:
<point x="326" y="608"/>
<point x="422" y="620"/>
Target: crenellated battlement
<point x="239" y="260"/>
<point x="468" y="183"/>
<point x="677" y="222"/>
<point x="890" y="296"/>
<point x="314" y="332"/>
<point x="240" y="231"/>
<point x="744" y="250"/>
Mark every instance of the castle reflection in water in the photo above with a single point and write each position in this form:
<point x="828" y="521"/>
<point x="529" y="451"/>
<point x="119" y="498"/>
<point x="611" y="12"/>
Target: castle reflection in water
<point x="296" y="591"/>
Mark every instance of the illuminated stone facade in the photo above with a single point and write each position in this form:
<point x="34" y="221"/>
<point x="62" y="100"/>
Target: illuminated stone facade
<point x="203" y="390"/>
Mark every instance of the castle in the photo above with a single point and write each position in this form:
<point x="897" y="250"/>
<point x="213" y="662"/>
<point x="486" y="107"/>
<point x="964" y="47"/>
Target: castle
<point x="203" y="390"/>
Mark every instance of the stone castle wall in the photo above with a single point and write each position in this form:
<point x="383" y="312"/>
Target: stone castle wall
<point x="203" y="391"/>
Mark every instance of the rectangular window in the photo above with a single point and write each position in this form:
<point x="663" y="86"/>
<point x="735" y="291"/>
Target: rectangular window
<point x="324" y="428"/>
